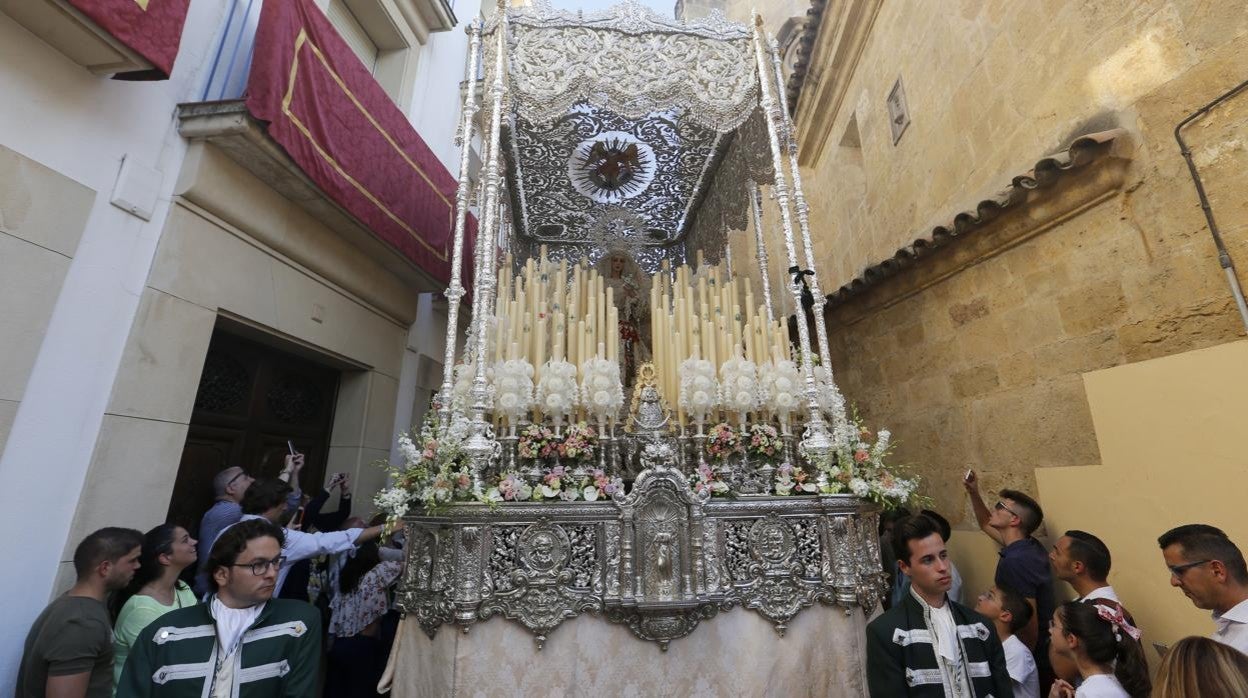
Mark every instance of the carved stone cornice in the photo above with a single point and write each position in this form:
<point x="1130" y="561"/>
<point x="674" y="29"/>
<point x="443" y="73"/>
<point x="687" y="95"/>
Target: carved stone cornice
<point x="841" y="37"/>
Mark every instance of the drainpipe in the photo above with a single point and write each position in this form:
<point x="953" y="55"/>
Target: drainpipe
<point x="1224" y="257"/>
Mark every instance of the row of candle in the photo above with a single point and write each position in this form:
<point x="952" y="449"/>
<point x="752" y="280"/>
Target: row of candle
<point x="697" y="313"/>
<point x="546" y="311"/>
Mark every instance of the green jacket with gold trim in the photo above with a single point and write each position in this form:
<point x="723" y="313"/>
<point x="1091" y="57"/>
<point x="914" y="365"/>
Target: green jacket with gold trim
<point x="901" y="659"/>
<point x="177" y="654"/>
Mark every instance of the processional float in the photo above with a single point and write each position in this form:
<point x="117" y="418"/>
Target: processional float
<point x="617" y="148"/>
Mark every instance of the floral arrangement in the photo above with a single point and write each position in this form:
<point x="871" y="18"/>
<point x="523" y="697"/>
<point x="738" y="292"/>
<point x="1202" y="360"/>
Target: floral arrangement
<point x="738" y="386"/>
<point x="602" y="393"/>
<point x="857" y="465"/>
<point x="698" y="388"/>
<point x="722" y="441"/>
<point x="706" y="479"/>
<point x="536" y="441"/>
<point x="513" y="385"/>
<point x="556" y="389"/>
<point x="781" y="385"/>
<point x="763" y="441"/>
<point x="433" y="470"/>
<point x="556" y="483"/>
<point x="791" y="479"/>
<point x="578" y="442"/>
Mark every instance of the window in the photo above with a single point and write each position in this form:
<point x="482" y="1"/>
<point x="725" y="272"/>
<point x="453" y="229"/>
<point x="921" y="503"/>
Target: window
<point x="350" y="29"/>
<point x="387" y="36"/>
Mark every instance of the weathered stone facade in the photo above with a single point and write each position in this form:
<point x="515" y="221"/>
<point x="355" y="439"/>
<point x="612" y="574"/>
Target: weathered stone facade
<point x="973" y="353"/>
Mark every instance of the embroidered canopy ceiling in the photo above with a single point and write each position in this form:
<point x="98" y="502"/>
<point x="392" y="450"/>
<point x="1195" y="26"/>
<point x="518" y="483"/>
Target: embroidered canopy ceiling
<point x="628" y="130"/>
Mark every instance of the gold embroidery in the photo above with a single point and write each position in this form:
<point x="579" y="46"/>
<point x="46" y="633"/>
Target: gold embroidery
<point x="300" y="41"/>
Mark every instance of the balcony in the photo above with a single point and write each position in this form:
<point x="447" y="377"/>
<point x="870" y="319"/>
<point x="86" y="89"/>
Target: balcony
<point x="71" y="32"/>
<point x="289" y="100"/>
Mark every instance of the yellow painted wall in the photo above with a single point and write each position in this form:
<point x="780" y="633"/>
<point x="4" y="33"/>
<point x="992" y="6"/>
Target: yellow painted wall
<point x="1171" y="435"/>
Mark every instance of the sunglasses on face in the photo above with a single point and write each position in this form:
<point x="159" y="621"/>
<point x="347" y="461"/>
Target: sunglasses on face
<point x="1178" y="570"/>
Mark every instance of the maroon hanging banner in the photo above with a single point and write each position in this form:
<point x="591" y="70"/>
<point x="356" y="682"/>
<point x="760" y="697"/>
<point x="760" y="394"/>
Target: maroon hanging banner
<point x="150" y="28"/>
<point x="342" y="129"/>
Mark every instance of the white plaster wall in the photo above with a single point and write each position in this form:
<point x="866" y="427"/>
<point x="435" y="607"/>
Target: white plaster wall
<point x="435" y="108"/>
<point x="80" y="125"/>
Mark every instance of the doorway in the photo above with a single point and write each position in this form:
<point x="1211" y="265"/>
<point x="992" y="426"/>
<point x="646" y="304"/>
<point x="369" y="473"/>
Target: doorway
<point x="252" y="399"/>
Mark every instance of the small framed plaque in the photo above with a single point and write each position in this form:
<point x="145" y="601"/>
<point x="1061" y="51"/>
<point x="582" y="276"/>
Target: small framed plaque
<point x="898" y="111"/>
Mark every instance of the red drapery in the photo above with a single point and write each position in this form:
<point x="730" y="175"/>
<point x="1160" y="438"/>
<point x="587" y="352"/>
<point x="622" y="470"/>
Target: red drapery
<point x="150" y="28"/>
<point x="329" y="114"/>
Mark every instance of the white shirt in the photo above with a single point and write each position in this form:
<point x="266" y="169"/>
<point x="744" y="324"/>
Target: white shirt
<point x="232" y="623"/>
<point x="1105" y="592"/>
<point x="1232" y="627"/>
<point x="1021" y="667"/>
<point x="302" y="546"/>
<point x="948" y="649"/>
<point x="1101" y="686"/>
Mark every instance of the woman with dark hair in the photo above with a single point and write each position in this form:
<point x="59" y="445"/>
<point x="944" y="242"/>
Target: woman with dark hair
<point x="155" y="589"/>
<point x="358" y="653"/>
<point x="1105" y="648"/>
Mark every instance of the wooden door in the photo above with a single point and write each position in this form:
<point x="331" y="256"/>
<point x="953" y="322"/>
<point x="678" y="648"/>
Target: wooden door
<point x="252" y="399"/>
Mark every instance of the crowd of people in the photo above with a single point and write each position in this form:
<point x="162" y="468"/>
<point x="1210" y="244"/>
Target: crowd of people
<point x="1018" y="641"/>
<point x="289" y="600"/>
<point x="286" y="589"/>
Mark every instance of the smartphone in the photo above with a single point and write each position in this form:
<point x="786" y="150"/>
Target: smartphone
<point x="297" y="519"/>
<point x="967" y="476"/>
<point x="290" y="445"/>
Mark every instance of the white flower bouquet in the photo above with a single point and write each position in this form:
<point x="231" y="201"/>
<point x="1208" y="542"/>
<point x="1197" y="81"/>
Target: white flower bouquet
<point x="699" y="390"/>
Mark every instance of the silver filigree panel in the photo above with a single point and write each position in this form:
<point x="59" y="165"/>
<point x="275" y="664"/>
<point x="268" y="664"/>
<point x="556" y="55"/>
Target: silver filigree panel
<point x="551" y="208"/>
<point x="556" y="60"/>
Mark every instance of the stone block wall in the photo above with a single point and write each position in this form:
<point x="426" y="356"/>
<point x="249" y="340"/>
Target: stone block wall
<point x="974" y="356"/>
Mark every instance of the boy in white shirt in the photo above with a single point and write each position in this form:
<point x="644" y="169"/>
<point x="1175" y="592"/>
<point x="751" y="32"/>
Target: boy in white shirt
<point x="1010" y="612"/>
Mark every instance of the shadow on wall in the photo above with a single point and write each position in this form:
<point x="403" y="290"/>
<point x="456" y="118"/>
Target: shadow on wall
<point x="1170" y="435"/>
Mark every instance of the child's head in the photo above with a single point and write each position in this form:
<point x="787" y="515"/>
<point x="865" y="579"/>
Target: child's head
<point x="1005" y="607"/>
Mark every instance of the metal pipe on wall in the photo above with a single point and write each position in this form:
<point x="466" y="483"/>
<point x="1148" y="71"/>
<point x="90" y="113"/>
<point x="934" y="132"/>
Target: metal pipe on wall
<point x="1224" y="256"/>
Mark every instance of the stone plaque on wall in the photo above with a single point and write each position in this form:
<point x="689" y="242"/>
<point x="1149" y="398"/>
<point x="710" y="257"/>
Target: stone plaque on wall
<point x="898" y="111"/>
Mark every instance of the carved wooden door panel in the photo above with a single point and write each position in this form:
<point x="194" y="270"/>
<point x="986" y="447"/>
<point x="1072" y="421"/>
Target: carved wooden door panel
<point x="251" y="400"/>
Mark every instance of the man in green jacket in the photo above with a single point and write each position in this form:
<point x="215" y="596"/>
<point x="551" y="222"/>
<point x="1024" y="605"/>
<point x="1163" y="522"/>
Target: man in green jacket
<point x="928" y="646"/>
<point x="243" y="642"/>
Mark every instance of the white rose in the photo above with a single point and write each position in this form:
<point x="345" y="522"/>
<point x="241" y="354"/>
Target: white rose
<point x="553" y="402"/>
<point x="745" y="382"/>
<point x="744" y="399"/>
<point x="590" y="493"/>
<point x="601" y="382"/>
<point x="702" y="383"/>
<point x="602" y="398"/>
<point x="784" y="400"/>
<point x="508" y="401"/>
<point x="783" y="384"/>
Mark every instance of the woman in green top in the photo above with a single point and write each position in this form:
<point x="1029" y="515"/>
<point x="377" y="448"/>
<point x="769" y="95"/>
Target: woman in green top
<point x="155" y="589"/>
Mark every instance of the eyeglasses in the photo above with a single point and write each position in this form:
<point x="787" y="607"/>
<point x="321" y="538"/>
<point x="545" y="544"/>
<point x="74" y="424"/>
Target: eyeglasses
<point x="241" y="473"/>
<point x="259" y="567"/>
<point x="1001" y="505"/>
<point x="1178" y="570"/>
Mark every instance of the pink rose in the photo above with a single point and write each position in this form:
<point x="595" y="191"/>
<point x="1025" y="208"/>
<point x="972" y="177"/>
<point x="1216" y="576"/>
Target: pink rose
<point x="861" y="456"/>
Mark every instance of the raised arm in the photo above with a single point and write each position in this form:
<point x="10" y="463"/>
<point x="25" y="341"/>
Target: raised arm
<point x="982" y="514"/>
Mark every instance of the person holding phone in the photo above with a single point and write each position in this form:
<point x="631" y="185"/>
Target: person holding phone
<point x="310" y="519"/>
<point x="266" y="499"/>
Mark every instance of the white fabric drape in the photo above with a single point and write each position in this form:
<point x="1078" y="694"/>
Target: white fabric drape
<point x="737" y="653"/>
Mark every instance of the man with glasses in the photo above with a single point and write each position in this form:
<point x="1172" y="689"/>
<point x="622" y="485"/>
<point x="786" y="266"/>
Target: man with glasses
<point x="1210" y="571"/>
<point x="1024" y="562"/>
<point x="243" y="642"/>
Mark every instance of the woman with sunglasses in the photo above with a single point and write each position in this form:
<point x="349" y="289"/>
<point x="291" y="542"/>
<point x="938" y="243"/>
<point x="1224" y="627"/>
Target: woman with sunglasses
<point x="155" y="589"/>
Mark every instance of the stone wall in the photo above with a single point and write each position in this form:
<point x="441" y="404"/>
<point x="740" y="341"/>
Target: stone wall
<point x="973" y="356"/>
